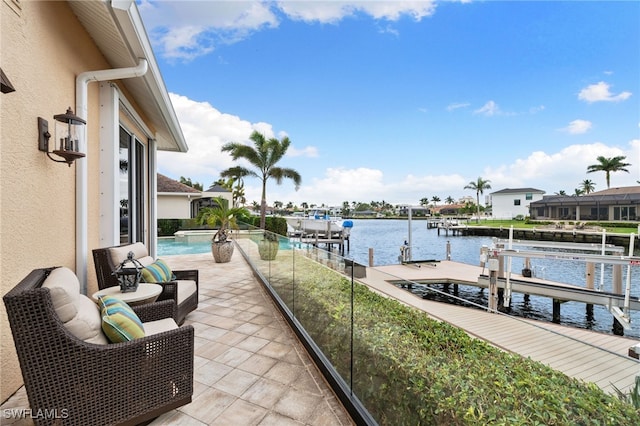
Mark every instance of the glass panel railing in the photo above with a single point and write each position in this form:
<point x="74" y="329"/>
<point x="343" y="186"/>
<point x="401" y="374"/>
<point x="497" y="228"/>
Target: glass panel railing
<point x="377" y="333"/>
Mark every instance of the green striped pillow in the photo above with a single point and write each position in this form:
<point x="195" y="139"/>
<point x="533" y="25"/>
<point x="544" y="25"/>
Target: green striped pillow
<point x="157" y="272"/>
<point x="119" y="322"/>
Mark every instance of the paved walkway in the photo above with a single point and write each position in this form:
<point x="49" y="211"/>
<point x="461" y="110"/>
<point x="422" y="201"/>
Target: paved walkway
<point x="250" y="369"/>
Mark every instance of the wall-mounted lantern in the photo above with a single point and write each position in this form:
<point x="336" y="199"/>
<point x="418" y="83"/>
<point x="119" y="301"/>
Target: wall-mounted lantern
<point x="66" y="143"/>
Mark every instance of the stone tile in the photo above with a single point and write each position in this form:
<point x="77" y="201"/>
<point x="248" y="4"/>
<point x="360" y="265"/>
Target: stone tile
<point x="284" y="373"/>
<point x="236" y="382"/>
<point x="211" y="333"/>
<point x="210" y="350"/>
<point x="233" y="357"/>
<point x="257" y="364"/>
<point x="298" y="405"/>
<point x="240" y="413"/>
<point x="176" y="418"/>
<point x="231" y="338"/>
<point x="324" y="416"/>
<point x="248" y="328"/>
<point x="275" y="350"/>
<point x="306" y="383"/>
<point x="265" y="393"/>
<point x="252" y="343"/>
<point x="276" y="419"/>
<point x="211" y="372"/>
<point x="208" y="405"/>
<point x="269" y="332"/>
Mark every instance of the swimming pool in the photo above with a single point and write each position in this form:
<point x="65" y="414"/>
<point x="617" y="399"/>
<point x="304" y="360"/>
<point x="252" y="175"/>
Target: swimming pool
<point x="169" y="246"/>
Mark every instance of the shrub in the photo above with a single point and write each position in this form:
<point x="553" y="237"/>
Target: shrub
<point x="409" y="369"/>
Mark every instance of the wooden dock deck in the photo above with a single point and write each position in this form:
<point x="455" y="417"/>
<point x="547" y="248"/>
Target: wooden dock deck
<point x="590" y="356"/>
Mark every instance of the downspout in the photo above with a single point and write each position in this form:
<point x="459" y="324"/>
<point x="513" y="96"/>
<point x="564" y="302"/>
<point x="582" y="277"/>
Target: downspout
<point x="82" y="83"/>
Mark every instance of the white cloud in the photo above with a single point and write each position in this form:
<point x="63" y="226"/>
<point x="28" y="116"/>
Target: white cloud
<point x="308" y="151"/>
<point x="206" y="129"/>
<point x="536" y="109"/>
<point x="599" y="92"/>
<point x="455" y="106"/>
<point x="336" y="10"/>
<point x="565" y="169"/>
<point x="577" y="127"/>
<point x="489" y="109"/>
<point x="188" y="29"/>
<point x="184" y="30"/>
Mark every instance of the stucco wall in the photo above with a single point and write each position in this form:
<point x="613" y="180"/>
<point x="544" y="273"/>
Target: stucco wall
<point x="43" y="48"/>
<point x="174" y="207"/>
<point x="502" y="205"/>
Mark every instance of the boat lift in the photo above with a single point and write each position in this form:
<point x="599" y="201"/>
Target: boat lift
<point x="618" y="258"/>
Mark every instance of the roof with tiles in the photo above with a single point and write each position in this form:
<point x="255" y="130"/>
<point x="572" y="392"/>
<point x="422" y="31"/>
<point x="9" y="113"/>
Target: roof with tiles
<point x="166" y="184"/>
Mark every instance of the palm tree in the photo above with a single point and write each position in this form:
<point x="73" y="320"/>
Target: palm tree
<point x="222" y="216"/>
<point x="608" y="165"/>
<point x="424" y="201"/>
<point x="479" y="186"/>
<point x="587" y="186"/>
<point x="435" y="200"/>
<point x="449" y="200"/>
<point x="264" y="156"/>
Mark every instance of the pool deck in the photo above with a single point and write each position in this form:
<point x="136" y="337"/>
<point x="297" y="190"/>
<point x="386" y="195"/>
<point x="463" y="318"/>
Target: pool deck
<point x="250" y="368"/>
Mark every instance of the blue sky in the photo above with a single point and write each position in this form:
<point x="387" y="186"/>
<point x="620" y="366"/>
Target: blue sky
<point x="398" y="101"/>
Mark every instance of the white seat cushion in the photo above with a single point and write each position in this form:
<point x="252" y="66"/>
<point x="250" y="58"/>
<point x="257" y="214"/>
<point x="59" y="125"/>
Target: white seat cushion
<point x="155" y="327"/>
<point x="185" y="289"/>
<point x="78" y="313"/>
<point x="140" y="253"/>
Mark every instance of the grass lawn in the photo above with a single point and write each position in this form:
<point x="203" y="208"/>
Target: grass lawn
<point x="530" y="225"/>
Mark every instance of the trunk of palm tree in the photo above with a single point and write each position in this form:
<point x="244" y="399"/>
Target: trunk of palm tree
<point x="263" y="205"/>
<point x="478" y="207"/>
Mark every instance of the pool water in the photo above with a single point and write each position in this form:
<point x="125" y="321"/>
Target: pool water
<point x="169" y="246"/>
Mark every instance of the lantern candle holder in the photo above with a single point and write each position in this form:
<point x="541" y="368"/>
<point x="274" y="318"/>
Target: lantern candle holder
<point x="129" y="273"/>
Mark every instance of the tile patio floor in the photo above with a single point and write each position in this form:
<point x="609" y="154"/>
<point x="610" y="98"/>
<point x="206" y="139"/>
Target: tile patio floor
<point x="250" y="369"/>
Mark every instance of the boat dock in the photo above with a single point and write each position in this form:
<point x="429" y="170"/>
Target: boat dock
<point x="586" y="355"/>
<point x="337" y="239"/>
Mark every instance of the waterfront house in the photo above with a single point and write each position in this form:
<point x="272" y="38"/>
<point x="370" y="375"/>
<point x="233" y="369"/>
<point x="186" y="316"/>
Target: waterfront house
<point x="208" y="196"/>
<point x="509" y="203"/>
<point x="175" y="199"/>
<point x="613" y="204"/>
<point x="93" y="58"/>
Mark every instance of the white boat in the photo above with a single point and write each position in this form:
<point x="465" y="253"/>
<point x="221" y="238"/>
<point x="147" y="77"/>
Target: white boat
<point x="318" y="221"/>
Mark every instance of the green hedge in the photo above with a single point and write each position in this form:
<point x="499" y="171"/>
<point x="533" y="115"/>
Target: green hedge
<point x="277" y="225"/>
<point x="412" y="370"/>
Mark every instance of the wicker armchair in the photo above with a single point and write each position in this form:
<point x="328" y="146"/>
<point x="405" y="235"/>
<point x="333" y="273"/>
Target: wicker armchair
<point x="78" y="383"/>
<point x="181" y="291"/>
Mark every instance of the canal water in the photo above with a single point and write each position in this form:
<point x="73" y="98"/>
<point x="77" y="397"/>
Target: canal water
<point x="386" y="237"/>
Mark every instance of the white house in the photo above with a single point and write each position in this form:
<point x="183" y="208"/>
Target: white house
<point x="511" y="202"/>
<point x="175" y="199"/>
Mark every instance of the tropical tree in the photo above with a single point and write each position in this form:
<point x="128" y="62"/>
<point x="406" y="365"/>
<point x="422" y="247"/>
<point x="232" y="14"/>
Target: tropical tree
<point x="435" y="200"/>
<point x="263" y="156"/>
<point x="345" y="208"/>
<point x="222" y="216"/>
<point x="587" y="186"/>
<point x="561" y="192"/>
<point x="424" y="202"/>
<point x="449" y="200"/>
<point x="188" y="182"/>
<point x="479" y="186"/>
<point x="578" y="192"/>
<point x="608" y="165"/>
